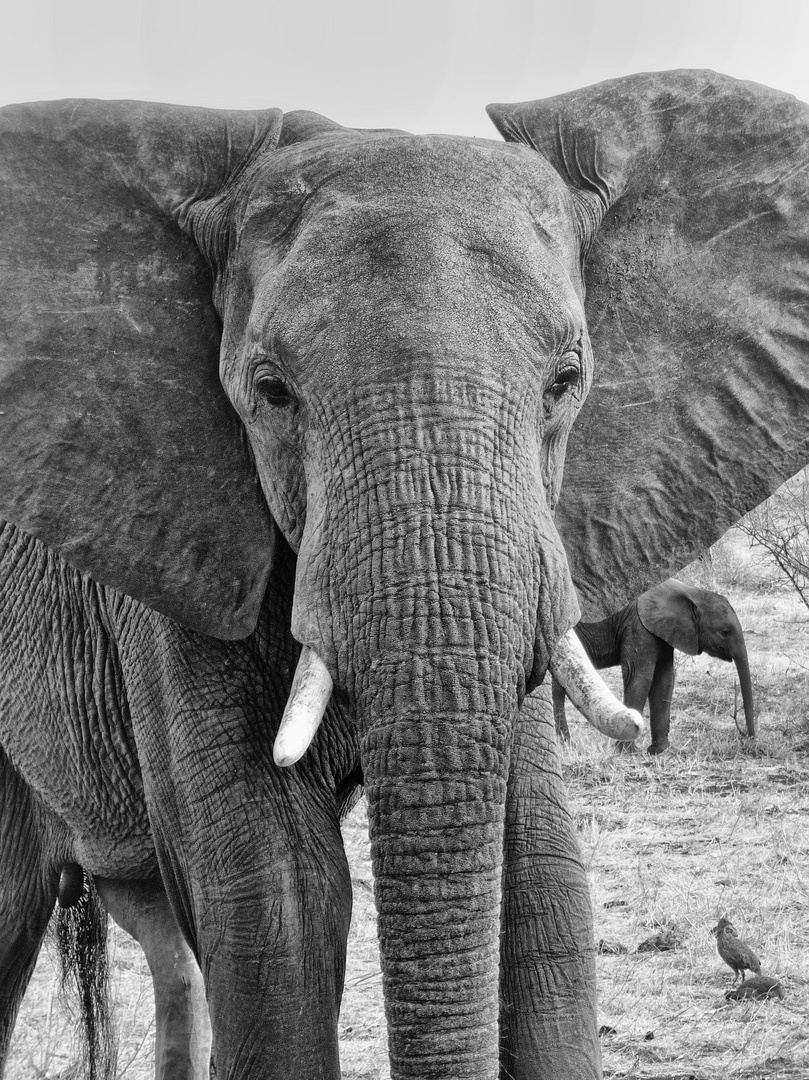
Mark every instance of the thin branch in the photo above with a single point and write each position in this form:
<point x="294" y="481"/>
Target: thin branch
<point x="780" y="527"/>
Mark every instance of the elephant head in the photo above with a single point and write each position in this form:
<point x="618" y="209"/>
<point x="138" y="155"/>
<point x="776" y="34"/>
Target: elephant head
<point x="215" y="321"/>
<point x="697" y="620"/>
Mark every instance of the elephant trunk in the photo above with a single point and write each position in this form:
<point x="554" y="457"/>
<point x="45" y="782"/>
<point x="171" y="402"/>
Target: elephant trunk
<point x="438" y="677"/>
<point x="743" y="669"/>
<point x="435" y="774"/>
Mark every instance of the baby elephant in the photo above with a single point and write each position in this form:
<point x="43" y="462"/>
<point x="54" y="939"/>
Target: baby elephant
<point x="642" y="638"/>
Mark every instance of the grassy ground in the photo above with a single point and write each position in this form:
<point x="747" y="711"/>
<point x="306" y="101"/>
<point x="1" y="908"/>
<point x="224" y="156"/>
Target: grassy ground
<point x="710" y="828"/>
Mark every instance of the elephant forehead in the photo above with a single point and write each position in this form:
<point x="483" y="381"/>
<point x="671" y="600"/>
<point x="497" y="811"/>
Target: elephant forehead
<point x="414" y="294"/>
<point x="468" y="239"/>
<point x="434" y="169"/>
<point x="493" y="195"/>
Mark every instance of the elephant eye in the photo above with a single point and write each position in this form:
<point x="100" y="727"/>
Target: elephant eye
<point x="274" y="391"/>
<point x="568" y="373"/>
<point x="566" y="379"/>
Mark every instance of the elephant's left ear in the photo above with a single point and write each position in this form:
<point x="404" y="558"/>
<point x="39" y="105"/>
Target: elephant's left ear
<point x="668" y="611"/>
<point x="698" y="311"/>
<point x="118" y="447"/>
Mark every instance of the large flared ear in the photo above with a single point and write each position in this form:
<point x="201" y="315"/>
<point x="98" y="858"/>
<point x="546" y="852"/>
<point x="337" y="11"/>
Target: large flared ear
<point x="698" y="311"/>
<point x="668" y="610"/>
<point x="118" y="447"/>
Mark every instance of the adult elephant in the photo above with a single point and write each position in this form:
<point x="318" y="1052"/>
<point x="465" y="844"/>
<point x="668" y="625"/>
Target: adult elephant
<point x="642" y="637"/>
<point x="398" y="326"/>
<point x="352" y="494"/>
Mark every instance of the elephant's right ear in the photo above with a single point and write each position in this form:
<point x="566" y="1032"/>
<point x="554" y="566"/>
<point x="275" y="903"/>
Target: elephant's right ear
<point x="668" y="611"/>
<point x="118" y="447"/>
<point x="698" y="310"/>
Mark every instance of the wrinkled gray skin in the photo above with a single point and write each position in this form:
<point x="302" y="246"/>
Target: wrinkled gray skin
<point x="389" y="332"/>
<point x="642" y="637"/>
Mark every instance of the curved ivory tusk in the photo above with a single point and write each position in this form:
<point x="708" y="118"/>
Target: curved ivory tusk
<point x="571" y="666"/>
<point x="308" y="698"/>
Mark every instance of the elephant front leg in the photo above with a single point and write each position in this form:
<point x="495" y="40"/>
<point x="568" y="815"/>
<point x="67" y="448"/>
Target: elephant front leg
<point x="255" y="871"/>
<point x="660" y="695"/>
<point x="183" y="1031"/>
<point x="250" y="854"/>
<point x="268" y="905"/>
<point x="548" y="1013"/>
<point x="638" y="673"/>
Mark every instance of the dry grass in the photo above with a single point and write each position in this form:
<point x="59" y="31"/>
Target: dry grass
<point x="713" y="827"/>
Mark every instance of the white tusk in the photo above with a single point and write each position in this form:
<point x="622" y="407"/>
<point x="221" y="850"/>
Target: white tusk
<point x="571" y="666"/>
<point x="308" y="698"/>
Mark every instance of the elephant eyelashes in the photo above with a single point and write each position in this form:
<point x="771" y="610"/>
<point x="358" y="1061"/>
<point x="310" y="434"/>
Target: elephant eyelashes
<point x="275" y="392"/>
<point x="566" y="380"/>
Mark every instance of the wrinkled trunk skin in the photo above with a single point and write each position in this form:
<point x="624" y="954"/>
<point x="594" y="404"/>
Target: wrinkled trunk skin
<point x="745" y="682"/>
<point x="438" y="608"/>
<point x="548" y="988"/>
<point x="436" y="828"/>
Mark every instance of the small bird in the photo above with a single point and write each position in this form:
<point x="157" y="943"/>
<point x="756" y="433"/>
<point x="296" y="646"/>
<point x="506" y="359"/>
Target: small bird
<point x="735" y="952"/>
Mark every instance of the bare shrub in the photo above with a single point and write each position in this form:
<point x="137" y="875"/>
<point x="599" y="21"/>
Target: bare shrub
<point x="778" y="532"/>
<point x="728" y="565"/>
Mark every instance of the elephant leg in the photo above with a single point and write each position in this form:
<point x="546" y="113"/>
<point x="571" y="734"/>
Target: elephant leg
<point x="269" y="919"/>
<point x="548" y="1011"/>
<point x="660" y="695"/>
<point x="559" y="718"/>
<point x="27" y="896"/>
<point x="183" y="1031"/>
<point x="251" y="855"/>
<point x="638" y="674"/>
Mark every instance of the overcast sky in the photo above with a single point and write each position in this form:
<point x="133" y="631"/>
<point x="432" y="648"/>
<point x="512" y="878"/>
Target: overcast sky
<point x="422" y="65"/>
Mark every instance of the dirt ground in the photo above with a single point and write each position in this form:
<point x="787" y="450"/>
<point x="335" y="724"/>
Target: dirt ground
<point x="712" y="827"/>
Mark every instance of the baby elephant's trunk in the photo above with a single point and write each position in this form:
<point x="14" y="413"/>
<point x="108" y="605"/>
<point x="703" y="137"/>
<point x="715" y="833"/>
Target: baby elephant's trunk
<point x="743" y="669"/>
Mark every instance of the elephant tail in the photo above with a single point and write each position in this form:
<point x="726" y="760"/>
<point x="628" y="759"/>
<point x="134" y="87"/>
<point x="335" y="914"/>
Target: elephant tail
<point x="81" y="934"/>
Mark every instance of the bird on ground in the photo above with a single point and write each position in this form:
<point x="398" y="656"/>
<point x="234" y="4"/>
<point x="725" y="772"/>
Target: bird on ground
<point x="736" y="953"/>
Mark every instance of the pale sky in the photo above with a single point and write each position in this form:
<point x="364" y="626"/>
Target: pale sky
<point x="422" y="65"/>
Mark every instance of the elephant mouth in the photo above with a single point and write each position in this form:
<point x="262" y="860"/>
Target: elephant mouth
<point x="569" y="664"/>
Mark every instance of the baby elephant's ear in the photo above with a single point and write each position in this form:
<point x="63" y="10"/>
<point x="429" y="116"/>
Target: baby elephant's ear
<point x="118" y="447"/>
<point x="668" y="611"/>
<point x="698" y="310"/>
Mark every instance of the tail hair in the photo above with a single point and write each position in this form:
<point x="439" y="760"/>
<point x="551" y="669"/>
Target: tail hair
<point x="81" y="935"/>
